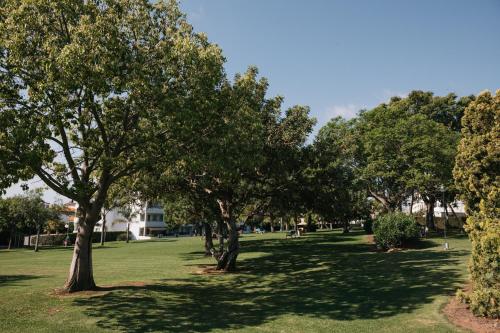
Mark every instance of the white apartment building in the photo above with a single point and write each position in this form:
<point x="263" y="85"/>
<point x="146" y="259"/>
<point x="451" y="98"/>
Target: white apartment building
<point x="457" y="207"/>
<point x="146" y="221"/>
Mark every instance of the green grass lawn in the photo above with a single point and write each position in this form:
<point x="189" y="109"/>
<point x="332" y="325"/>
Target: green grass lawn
<point x="323" y="282"/>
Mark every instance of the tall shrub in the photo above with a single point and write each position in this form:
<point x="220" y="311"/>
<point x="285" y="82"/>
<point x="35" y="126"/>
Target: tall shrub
<point x="394" y="229"/>
<point x="476" y="175"/>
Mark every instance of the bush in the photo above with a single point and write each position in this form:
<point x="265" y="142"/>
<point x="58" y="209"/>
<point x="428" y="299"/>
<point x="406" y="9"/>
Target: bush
<point x="122" y="237"/>
<point x="394" y="229"/>
<point x="368" y="226"/>
<point x="484" y="266"/>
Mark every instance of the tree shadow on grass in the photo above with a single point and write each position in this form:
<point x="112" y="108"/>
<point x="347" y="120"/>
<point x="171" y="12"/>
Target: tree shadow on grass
<point x="15" y="280"/>
<point x="154" y="240"/>
<point x="321" y="276"/>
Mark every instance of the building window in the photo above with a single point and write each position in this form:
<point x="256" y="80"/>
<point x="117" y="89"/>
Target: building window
<point x="160" y="218"/>
<point x="149" y="217"/>
<point x="142" y="216"/>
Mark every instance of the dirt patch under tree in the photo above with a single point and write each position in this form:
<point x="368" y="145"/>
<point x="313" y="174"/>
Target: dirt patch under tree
<point x="459" y="314"/>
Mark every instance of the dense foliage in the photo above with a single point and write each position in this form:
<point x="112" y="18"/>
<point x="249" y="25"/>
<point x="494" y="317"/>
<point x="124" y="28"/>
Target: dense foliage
<point x="394" y="230"/>
<point x="338" y="193"/>
<point x="93" y="92"/>
<point x="477" y="177"/>
<point x="408" y="146"/>
<point x="28" y="214"/>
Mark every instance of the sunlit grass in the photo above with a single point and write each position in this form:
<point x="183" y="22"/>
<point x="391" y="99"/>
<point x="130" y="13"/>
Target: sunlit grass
<point x="323" y="282"/>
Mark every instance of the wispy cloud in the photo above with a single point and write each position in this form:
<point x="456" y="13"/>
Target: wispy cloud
<point x="386" y="95"/>
<point x="347" y="111"/>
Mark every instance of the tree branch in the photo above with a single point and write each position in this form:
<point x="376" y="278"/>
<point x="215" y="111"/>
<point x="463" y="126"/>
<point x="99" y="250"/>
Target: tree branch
<point x="54" y="184"/>
<point x="67" y="152"/>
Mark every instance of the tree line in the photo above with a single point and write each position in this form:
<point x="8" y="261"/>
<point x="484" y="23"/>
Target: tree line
<point x="28" y="214"/>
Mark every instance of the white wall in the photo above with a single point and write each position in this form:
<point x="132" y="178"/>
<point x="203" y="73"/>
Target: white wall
<point x="419" y="207"/>
<point x="117" y="222"/>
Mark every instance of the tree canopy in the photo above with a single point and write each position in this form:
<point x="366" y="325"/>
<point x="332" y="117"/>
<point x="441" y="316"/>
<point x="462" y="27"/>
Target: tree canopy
<point x="408" y="146"/>
<point x="93" y="92"/>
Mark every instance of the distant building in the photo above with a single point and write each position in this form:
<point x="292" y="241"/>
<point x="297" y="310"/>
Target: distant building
<point x="68" y="214"/>
<point x="457" y="207"/>
<point x="455" y="210"/>
<point x="146" y="220"/>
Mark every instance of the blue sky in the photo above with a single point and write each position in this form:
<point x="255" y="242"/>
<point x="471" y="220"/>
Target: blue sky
<point x="341" y="56"/>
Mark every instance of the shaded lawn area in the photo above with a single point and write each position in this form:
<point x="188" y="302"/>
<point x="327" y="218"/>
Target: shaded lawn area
<point x="323" y="282"/>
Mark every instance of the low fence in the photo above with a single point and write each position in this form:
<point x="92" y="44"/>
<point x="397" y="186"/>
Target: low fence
<point x="453" y="222"/>
<point x="58" y="239"/>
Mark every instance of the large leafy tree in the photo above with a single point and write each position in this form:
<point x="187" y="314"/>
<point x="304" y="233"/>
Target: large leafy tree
<point x="339" y="194"/>
<point x="408" y="147"/>
<point x="280" y="186"/>
<point x="381" y="161"/>
<point x="224" y="160"/>
<point x="477" y="177"/>
<point x="88" y="92"/>
<point x="230" y="158"/>
<point x="430" y="151"/>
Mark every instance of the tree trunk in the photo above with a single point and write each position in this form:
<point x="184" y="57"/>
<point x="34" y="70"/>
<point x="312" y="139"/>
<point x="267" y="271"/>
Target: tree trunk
<point x="429" y="215"/>
<point x="411" y="202"/>
<point x="455" y="214"/>
<point x="445" y="215"/>
<point x="128" y="232"/>
<point x="227" y="261"/>
<point x="271" y="218"/>
<point x="10" y="238"/>
<point x="209" y="245"/>
<point x="103" y="229"/>
<point x="37" y="237"/>
<point x="346" y="227"/>
<point x="220" y="237"/>
<point x="81" y="275"/>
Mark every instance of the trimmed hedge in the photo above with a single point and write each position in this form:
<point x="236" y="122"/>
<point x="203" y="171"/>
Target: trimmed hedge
<point x="394" y="230"/>
<point x="58" y="239"/>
